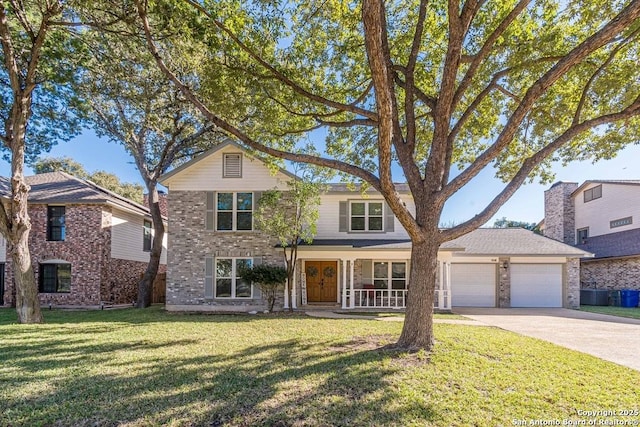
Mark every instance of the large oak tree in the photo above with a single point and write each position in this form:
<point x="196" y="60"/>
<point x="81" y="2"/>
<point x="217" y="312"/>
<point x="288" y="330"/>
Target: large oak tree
<point x="440" y="89"/>
<point x="36" y="100"/>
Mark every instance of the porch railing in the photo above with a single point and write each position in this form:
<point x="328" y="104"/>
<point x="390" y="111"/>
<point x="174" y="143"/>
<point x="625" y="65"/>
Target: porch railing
<point x="395" y="298"/>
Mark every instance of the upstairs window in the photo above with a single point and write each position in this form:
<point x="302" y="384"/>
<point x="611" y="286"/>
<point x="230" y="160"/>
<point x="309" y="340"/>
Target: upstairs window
<point x="232" y="165"/>
<point x="582" y="235"/>
<point x="146" y="235"/>
<point x="367" y="216"/>
<point x="592" y="193"/>
<point x="234" y="212"/>
<point x="55" y="278"/>
<point x="56" y="223"/>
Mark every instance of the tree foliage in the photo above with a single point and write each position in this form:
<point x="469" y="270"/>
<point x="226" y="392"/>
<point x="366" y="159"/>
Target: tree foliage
<point x="291" y="216"/>
<point x="269" y="279"/>
<point x="438" y="89"/>
<point x="509" y="223"/>
<point x="110" y="181"/>
<point x="38" y="108"/>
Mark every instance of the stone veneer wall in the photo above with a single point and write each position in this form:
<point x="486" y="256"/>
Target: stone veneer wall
<point x="613" y="274"/>
<point x="504" y="283"/>
<point x="559" y="212"/>
<point x="190" y="243"/>
<point x="572" y="283"/>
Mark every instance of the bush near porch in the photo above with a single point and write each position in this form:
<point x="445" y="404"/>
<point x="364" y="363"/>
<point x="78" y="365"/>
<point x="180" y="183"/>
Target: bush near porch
<point x="149" y="367"/>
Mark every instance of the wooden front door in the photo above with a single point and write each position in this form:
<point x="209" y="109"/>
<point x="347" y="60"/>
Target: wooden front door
<point x="322" y="281"/>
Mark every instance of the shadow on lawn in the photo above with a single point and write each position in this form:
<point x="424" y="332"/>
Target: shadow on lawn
<point x="278" y="384"/>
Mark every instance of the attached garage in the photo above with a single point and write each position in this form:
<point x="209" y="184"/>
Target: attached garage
<point x="536" y="285"/>
<point x="473" y="285"/>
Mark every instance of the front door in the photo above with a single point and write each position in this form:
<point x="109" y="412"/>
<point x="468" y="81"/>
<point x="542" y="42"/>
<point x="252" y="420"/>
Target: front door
<point x="322" y="281"/>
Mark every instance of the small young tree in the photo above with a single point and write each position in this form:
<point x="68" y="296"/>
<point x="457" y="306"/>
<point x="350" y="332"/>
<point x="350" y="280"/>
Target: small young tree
<point x="290" y="216"/>
<point x="268" y="278"/>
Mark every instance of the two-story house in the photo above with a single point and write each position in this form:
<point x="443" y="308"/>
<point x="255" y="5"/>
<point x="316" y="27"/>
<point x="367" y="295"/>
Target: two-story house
<point x="601" y="217"/>
<point x="359" y="258"/>
<point x="88" y="246"/>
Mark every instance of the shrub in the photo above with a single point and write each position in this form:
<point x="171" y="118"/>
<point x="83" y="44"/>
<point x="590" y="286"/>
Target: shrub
<point x="268" y="278"/>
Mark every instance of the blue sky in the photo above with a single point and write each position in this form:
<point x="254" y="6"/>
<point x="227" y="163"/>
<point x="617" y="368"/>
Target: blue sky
<point x="526" y="205"/>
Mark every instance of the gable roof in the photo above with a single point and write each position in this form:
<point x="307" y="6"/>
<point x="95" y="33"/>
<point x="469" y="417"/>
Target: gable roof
<point x="514" y="242"/>
<point x="605" y="181"/>
<point x="62" y="188"/>
<point x="614" y="245"/>
<point x="210" y="152"/>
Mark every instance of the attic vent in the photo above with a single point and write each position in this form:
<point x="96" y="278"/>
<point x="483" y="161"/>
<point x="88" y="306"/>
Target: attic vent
<point x="232" y="166"/>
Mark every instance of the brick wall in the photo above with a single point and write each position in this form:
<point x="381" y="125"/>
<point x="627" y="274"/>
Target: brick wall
<point x="190" y="243"/>
<point x="559" y="212"/>
<point x="611" y="274"/>
<point x="95" y="277"/>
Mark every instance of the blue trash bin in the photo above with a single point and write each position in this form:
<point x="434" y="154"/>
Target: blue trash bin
<point x="629" y="298"/>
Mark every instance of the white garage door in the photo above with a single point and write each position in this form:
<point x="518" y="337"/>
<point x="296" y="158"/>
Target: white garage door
<point x="473" y="285"/>
<point x="536" y="285"/>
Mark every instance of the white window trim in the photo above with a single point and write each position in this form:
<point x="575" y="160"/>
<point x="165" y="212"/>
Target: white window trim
<point x="389" y="277"/>
<point x="366" y="216"/>
<point x="234" y="211"/>
<point x="234" y="277"/>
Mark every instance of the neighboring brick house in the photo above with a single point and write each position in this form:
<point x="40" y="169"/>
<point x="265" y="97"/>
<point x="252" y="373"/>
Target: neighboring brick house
<point x="88" y="246"/>
<point x="359" y="258"/>
<point x="601" y="217"/>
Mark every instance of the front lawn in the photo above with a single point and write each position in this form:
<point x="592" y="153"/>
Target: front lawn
<point x="632" y="312"/>
<point x="147" y="368"/>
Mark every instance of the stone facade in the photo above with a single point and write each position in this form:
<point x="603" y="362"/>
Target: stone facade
<point x="612" y="274"/>
<point x="559" y="212"/>
<point x="572" y="283"/>
<point x="95" y="276"/>
<point x="504" y="283"/>
<point x="190" y="243"/>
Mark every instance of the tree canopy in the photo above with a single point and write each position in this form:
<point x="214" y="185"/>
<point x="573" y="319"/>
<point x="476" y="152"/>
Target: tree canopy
<point x="440" y="90"/>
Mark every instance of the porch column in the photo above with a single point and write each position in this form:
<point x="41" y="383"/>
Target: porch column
<point x="344" y="283"/>
<point x="352" y="301"/>
<point x="286" y="295"/>
<point x="441" y="286"/>
<point x="447" y="284"/>
<point x="294" y="286"/>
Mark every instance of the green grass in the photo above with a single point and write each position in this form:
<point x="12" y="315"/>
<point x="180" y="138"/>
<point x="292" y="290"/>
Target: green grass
<point x="633" y="312"/>
<point x="147" y="368"/>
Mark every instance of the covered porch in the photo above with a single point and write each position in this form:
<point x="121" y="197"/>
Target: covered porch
<point x="371" y="275"/>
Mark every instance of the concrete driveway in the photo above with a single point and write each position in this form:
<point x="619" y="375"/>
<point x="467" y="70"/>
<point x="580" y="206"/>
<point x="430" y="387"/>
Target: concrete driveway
<point x="611" y="338"/>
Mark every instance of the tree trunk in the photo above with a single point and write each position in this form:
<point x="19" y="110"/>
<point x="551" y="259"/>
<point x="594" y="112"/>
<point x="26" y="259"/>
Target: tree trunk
<point x="27" y="303"/>
<point x="417" y="332"/>
<point x="145" y="286"/>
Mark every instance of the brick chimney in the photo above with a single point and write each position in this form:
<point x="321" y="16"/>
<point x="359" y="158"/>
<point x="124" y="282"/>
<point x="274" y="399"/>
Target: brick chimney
<point x="560" y="212"/>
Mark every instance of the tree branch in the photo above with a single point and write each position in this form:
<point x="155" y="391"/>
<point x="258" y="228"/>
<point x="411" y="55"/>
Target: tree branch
<point x="276" y="73"/>
<point x="232" y="130"/>
<point x="625" y="18"/>
<point x="530" y="163"/>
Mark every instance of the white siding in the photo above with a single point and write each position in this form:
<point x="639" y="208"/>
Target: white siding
<point x="536" y="285"/>
<point x="3" y="249"/>
<point x="126" y="238"/>
<point x="617" y="201"/>
<point x="329" y="211"/>
<point x="206" y="175"/>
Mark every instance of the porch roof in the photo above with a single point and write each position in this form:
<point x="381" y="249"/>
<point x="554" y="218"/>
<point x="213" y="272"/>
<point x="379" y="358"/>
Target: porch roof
<point x="372" y="244"/>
